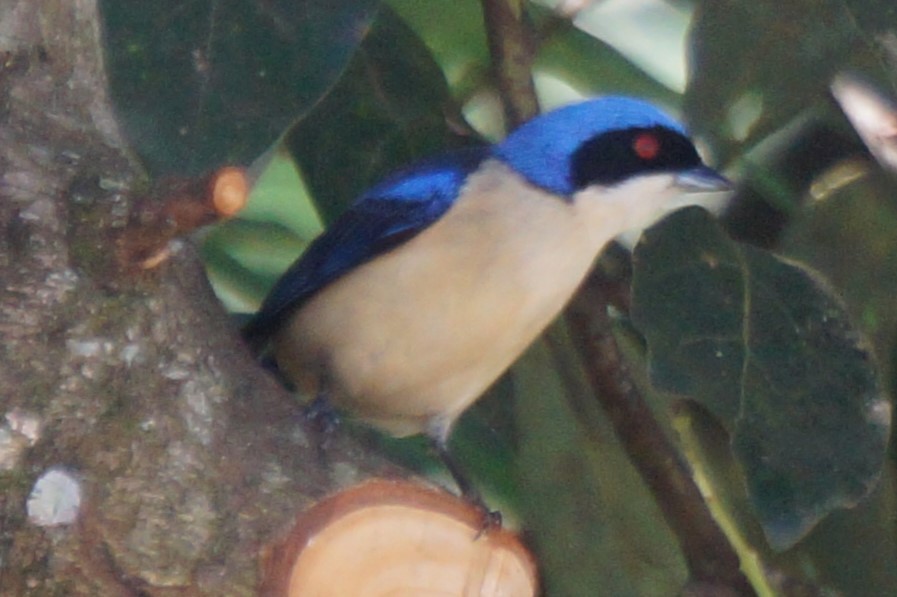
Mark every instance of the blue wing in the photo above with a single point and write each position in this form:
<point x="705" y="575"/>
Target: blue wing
<point x="385" y="216"/>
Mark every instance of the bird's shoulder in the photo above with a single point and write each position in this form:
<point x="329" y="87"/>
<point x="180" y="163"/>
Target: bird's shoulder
<point x="386" y="215"/>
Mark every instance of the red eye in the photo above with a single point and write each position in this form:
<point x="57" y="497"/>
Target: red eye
<point x="646" y="146"/>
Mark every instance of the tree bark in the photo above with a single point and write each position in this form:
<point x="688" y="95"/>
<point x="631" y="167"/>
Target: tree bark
<point x="189" y="457"/>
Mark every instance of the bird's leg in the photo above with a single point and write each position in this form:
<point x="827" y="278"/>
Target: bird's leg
<point x="465" y="486"/>
<point x="491" y="518"/>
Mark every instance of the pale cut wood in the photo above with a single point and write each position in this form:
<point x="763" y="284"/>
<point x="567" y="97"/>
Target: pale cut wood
<point x="397" y="538"/>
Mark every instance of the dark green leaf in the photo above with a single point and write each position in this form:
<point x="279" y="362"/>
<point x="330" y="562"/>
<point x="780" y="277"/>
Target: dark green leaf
<point x="569" y="54"/>
<point x="202" y="83"/>
<point x="763" y="345"/>
<point x="595" y="68"/>
<point x="758" y="64"/>
<point x="849" y="237"/>
<point x="389" y="109"/>
<point x="461" y="48"/>
<point x="596" y="527"/>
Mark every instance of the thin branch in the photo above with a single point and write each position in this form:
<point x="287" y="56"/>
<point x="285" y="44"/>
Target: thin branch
<point x="712" y="563"/>
<point x="512" y="51"/>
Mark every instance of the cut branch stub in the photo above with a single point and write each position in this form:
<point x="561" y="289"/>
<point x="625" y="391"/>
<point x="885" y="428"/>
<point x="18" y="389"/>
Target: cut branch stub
<point x="388" y="537"/>
<point x="176" y="208"/>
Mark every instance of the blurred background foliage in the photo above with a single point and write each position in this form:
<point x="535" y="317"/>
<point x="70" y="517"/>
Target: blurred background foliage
<point x="321" y="99"/>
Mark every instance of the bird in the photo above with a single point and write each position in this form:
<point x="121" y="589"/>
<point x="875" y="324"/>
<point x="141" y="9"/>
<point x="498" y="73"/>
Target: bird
<point x="433" y="282"/>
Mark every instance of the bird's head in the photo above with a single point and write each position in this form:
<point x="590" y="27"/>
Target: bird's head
<point x="622" y="148"/>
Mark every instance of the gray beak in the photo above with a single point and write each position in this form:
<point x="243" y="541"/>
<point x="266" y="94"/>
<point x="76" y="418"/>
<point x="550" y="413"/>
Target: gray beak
<point x="702" y="179"/>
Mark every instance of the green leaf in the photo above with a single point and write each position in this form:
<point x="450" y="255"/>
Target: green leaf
<point x="460" y="49"/>
<point x="595" y="68"/>
<point x="202" y="83"/>
<point x="245" y="255"/>
<point x="756" y="65"/>
<point x="764" y="345"/>
<point x="280" y="196"/>
<point x="389" y="109"/>
<point x="596" y="527"/>
<point x="569" y="54"/>
<point x="848" y="235"/>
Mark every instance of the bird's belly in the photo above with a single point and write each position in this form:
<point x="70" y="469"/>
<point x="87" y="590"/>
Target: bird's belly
<point x="401" y="362"/>
<point x="411" y="338"/>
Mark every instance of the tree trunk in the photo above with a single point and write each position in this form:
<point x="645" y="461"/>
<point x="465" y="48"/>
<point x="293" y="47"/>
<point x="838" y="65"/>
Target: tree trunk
<point x="189" y="458"/>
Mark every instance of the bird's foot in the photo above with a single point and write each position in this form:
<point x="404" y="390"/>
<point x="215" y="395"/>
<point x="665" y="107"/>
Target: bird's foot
<point x="321" y="415"/>
<point x="324" y="421"/>
<point x="491" y="518"/>
<point x="491" y="521"/>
